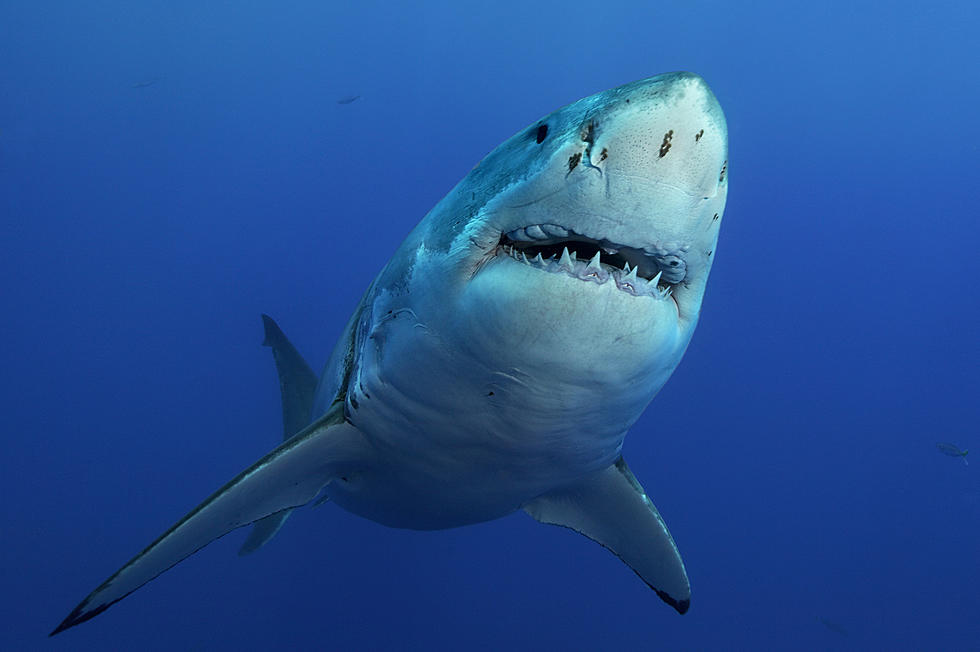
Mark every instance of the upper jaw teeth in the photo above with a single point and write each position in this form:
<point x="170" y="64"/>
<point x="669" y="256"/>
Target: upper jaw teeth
<point x="594" y="270"/>
<point x="538" y="232"/>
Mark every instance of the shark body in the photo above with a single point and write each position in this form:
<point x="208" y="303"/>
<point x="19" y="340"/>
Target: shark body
<point x="498" y="360"/>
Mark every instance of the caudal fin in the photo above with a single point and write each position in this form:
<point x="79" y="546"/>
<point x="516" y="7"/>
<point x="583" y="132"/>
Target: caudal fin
<point x="262" y="532"/>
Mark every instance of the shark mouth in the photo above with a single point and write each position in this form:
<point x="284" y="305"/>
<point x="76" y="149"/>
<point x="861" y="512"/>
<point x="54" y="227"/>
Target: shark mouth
<point x="556" y="249"/>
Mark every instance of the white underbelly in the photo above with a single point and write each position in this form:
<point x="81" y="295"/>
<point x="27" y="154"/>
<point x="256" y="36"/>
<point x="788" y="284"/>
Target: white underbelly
<point x="458" y="440"/>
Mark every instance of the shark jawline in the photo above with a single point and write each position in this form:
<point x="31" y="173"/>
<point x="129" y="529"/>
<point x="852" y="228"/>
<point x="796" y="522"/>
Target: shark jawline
<point x="633" y="269"/>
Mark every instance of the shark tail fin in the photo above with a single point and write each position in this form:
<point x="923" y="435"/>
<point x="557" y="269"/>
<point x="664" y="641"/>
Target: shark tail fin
<point x="297" y="385"/>
<point x="262" y="532"/>
<point x="611" y="508"/>
<point x="289" y="476"/>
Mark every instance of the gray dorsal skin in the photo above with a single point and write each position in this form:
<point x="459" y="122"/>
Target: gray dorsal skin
<point x="498" y="360"/>
<point x="297" y="384"/>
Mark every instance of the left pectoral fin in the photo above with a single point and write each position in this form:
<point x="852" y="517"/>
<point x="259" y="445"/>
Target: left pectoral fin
<point x="611" y="508"/>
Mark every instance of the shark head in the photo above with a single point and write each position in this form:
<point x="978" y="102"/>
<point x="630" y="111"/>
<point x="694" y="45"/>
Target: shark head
<point x="562" y="278"/>
<point x="632" y="181"/>
<point x="600" y="221"/>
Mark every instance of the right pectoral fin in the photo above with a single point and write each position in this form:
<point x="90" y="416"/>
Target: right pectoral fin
<point x="289" y="476"/>
<point x="611" y="508"/>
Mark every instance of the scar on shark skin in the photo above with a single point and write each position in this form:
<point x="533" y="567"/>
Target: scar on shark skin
<point x="588" y="133"/>
<point x="665" y="146"/>
<point x="697" y="136"/>
<point x="588" y="137"/>
<point x="573" y="161"/>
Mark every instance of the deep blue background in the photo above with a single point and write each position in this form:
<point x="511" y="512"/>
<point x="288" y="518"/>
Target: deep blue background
<point x="143" y="228"/>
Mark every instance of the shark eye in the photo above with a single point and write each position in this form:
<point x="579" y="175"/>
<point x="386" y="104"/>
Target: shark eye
<point x="541" y="134"/>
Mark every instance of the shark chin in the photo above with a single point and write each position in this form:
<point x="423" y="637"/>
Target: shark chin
<point x="497" y="362"/>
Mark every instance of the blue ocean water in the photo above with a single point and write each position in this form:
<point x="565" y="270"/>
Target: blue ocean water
<point x="168" y="171"/>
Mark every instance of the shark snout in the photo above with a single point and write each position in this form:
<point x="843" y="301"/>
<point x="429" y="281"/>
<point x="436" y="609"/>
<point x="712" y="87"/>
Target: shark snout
<point x="662" y="148"/>
<point x="669" y="131"/>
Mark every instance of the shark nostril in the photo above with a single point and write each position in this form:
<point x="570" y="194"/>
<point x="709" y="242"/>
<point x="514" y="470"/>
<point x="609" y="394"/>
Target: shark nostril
<point x="542" y="133"/>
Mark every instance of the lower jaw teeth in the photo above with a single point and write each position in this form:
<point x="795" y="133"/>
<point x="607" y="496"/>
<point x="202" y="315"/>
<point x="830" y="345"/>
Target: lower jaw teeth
<point x="626" y="279"/>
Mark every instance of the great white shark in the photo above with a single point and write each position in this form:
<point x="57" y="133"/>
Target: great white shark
<point x="499" y="358"/>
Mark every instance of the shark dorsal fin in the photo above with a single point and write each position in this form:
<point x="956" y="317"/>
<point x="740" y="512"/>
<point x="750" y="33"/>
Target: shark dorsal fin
<point x="297" y="385"/>
<point x="297" y="382"/>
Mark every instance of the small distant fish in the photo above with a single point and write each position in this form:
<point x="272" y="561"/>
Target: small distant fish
<point x="952" y="451"/>
<point x="146" y="82"/>
<point x="349" y="99"/>
<point x="832" y="626"/>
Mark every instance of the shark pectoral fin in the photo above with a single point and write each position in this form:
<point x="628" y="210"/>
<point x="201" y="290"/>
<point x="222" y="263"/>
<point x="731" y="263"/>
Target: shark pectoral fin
<point x="262" y="531"/>
<point x="611" y="508"/>
<point x="289" y="476"/>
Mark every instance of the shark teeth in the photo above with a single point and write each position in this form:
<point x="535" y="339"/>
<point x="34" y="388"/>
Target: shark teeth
<point x="555" y="231"/>
<point x="566" y="262"/>
<point x="626" y="279"/>
<point x="538" y="232"/>
<point x="594" y="270"/>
